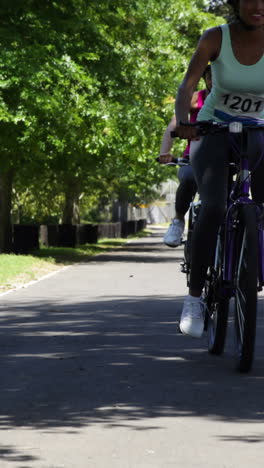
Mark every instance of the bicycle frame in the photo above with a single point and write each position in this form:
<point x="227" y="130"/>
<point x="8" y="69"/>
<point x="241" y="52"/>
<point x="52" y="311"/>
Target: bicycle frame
<point x="230" y="221"/>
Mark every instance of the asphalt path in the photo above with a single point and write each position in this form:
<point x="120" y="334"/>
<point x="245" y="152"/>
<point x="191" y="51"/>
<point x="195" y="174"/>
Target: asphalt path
<point x="95" y="375"/>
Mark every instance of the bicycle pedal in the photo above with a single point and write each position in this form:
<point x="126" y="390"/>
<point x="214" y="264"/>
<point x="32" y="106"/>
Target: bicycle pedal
<point x="184" y="268"/>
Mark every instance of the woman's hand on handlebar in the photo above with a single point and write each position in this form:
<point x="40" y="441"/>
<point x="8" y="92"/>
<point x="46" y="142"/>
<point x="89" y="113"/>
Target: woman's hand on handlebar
<point x="165" y="158"/>
<point x="187" y="132"/>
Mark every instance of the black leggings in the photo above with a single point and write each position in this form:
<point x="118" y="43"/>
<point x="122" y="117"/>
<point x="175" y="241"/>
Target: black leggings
<point x="186" y="189"/>
<point x="209" y="158"/>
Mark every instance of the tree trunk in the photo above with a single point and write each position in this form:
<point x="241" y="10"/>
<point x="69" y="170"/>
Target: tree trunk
<point x="6" y="181"/>
<point x="71" y="211"/>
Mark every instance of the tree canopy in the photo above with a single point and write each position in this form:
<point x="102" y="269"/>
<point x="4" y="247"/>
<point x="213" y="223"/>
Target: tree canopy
<point x="86" y="90"/>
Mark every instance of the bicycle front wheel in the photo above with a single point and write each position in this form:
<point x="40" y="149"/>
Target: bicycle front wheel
<point x="246" y="277"/>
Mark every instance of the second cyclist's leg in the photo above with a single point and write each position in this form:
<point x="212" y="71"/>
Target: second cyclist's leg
<point x="210" y="163"/>
<point x="184" y="195"/>
<point x="185" y="192"/>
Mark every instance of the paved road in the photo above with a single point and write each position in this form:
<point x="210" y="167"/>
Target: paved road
<point x="94" y="374"/>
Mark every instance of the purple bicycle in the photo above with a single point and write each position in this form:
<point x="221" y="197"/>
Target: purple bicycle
<point x="238" y="267"/>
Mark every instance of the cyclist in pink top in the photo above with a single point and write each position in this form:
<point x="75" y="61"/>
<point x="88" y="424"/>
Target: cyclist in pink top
<point x="187" y="187"/>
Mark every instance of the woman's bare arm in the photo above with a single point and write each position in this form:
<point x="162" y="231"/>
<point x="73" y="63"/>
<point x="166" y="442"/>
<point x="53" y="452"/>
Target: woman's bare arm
<point x="207" y="50"/>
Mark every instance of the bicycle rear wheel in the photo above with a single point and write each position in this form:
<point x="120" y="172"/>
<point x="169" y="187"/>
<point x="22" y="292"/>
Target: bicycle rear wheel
<point x="193" y="214"/>
<point x="246" y="278"/>
<point x="187" y="248"/>
<point x="217" y="304"/>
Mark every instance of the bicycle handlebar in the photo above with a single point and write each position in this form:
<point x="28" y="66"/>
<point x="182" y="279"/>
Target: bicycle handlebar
<point x="176" y="162"/>
<point x="206" y="127"/>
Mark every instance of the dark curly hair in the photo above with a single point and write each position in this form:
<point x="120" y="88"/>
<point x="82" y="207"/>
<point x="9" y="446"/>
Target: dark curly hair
<point x="234" y="4"/>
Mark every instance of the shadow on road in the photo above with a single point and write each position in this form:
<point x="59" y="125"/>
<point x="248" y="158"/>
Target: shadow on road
<point x="11" y="454"/>
<point x="117" y="362"/>
<point x="152" y="252"/>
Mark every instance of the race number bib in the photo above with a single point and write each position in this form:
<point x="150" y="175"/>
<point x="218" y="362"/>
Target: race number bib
<point x="243" y="104"/>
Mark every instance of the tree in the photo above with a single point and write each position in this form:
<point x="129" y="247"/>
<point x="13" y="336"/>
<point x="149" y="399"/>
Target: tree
<point x="86" y="89"/>
<point x="219" y="7"/>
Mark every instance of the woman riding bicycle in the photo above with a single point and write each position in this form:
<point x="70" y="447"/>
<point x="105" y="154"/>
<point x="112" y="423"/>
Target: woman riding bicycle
<point x="236" y="53"/>
<point x="187" y="187"/>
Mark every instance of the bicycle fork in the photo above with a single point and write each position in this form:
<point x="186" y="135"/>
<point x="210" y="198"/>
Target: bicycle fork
<point x="260" y="216"/>
<point x="232" y="219"/>
<point x="232" y="225"/>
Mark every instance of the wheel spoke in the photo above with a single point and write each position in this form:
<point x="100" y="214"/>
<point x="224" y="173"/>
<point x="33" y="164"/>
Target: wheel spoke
<point x="242" y="255"/>
<point x="240" y="314"/>
<point x="217" y="304"/>
<point x="241" y="294"/>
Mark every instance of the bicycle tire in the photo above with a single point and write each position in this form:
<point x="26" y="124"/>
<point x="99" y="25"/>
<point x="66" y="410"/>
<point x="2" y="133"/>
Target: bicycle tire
<point x="187" y="248"/>
<point x="217" y="305"/>
<point x="246" y="278"/>
<point x="192" y="217"/>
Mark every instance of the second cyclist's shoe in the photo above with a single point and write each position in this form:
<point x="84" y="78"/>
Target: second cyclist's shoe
<point x="192" y="317"/>
<point x="173" y="236"/>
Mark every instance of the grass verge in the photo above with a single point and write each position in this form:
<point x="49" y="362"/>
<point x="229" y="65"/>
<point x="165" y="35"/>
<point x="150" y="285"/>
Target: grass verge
<point x="17" y="270"/>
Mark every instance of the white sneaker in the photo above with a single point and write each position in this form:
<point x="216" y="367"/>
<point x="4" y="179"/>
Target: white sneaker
<point x="192" y="317"/>
<point x="173" y="236"/>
